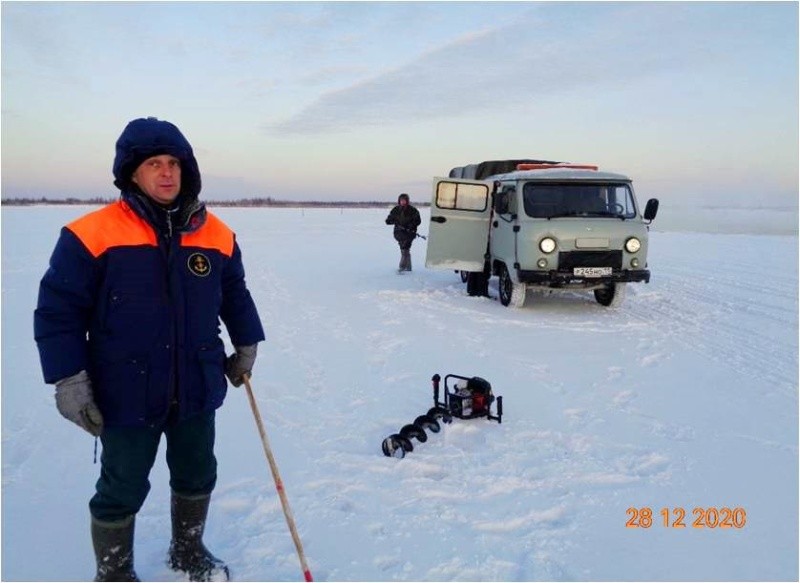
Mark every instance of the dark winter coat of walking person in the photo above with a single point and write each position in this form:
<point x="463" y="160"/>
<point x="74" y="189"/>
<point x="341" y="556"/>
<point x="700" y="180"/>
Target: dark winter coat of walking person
<point x="127" y="327"/>
<point x="405" y="219"/>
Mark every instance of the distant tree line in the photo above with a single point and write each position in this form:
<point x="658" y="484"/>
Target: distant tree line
<point x="242" y="202"/>
<point x="44" y="200"/>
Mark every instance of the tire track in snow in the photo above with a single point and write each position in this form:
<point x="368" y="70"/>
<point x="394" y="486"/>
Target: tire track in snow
<point x="686" y="309"/>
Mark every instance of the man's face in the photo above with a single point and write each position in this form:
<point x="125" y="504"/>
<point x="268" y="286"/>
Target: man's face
<point x="403" y="201"/>
<point x="159" y="177"/>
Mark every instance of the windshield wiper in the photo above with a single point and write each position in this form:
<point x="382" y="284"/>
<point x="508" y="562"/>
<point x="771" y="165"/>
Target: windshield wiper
<point x="605" y="214"/>
<point x="565" y="214"/>
<point x="586" y="214"/>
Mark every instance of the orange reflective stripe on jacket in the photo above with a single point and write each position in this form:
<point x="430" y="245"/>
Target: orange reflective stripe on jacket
<point x="213" y="235"/>
<point x="117" y="225"/>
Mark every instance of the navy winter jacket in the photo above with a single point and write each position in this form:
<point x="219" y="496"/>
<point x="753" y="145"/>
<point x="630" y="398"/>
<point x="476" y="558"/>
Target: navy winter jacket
<point x="140" y="310"/>
<point x="142" y="315"/>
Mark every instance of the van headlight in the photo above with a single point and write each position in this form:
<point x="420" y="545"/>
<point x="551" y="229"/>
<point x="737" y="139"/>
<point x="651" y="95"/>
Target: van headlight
<point x="547" y="245"/>
<point x="632" y="245"/>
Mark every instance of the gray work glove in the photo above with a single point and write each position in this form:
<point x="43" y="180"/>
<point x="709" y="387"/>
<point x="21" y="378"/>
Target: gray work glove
<point x="240" y="363"/>
<point x="75" y="401"/>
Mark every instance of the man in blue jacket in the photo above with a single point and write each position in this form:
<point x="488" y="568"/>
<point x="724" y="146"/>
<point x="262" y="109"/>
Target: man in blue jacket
<point x="127" y="326"/>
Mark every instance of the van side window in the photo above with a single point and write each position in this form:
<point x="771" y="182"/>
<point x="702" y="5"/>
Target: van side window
<point x="504" y="200"/>
<point x="464" y="197"/>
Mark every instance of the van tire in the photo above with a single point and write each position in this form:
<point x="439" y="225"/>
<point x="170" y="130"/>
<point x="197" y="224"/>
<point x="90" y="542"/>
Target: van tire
<point x="511" y="294"/>
<point x="612" y="295"/>
<point x="477" y="283"/>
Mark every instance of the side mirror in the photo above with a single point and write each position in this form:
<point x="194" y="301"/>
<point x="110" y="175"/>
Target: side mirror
<point x="651" y="209"/>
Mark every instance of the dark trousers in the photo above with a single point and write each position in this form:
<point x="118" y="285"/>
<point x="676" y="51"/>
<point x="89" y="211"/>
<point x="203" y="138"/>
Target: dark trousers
<point x="129" y="454"/>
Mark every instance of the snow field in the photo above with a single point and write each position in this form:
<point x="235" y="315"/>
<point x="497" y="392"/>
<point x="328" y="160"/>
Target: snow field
<point x="686" y="397"/>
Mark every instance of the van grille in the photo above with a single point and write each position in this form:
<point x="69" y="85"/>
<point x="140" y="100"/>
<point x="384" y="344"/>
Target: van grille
<point x="569" y="260"/>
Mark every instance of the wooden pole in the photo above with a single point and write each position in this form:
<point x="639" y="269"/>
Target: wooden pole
<point x="287" y="512"/>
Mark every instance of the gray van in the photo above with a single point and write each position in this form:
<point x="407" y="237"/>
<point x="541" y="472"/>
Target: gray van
<point x="539" y="224"/>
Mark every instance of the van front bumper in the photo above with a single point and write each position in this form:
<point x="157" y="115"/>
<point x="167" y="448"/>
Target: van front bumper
<point x="555" y="278"/>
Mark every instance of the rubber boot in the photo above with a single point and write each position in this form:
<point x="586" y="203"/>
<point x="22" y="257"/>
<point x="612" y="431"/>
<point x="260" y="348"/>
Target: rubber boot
<point x="113" y="549"/>
<point x="187" y="552"/>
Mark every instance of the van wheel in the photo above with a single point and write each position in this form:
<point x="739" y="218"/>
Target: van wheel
<point x="477" y="283"/>
<point x="612" y="295"/>
<point x="511" y="294"/>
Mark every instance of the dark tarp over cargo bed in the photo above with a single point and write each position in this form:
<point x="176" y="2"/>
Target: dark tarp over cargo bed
<point x="492" y="167"/>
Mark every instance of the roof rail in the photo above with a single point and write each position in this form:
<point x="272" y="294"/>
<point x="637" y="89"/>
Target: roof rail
<point x="527" y="166"/>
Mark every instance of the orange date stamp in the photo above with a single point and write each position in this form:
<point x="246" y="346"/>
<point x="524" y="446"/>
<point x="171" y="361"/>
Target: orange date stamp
<point x="676" y="517"/>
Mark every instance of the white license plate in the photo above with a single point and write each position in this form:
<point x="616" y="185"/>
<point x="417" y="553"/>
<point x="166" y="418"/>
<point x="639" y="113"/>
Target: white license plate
<point x="591" y="271"/>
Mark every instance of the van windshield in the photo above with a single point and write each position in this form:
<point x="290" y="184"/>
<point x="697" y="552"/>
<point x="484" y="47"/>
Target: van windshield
<point x="590" y="199"/>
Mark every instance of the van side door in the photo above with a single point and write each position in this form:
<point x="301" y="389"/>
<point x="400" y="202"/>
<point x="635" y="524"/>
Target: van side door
<point x="459" y="229"/>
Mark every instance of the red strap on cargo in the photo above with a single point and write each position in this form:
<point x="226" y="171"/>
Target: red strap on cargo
<point x="529" y="166"/>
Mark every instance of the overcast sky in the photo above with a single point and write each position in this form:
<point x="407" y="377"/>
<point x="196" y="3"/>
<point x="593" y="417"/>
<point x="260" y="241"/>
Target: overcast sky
<point x="697" y="102"/>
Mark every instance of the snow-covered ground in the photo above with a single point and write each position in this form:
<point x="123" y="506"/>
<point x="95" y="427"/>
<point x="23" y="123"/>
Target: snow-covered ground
<point x="686" y="397"/>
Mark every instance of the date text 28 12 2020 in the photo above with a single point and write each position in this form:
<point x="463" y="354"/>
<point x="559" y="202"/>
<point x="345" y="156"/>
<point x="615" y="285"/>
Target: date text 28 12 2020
<point x="711" y="517"/>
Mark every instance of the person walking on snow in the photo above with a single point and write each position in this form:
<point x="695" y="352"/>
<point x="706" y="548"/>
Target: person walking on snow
<point x="405" y="219"/>
<point x="127" y="327"/>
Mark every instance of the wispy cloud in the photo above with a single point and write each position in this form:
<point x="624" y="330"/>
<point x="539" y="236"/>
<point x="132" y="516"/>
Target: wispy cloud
<point x="331" y="74"/>
<point x="34" y="40"/>
<point x="503" y="66"/>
